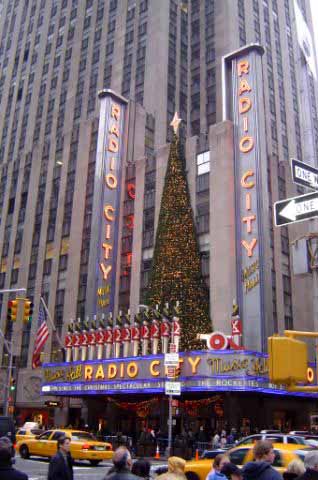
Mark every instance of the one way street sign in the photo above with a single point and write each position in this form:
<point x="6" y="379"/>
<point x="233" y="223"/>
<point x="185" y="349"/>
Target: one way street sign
<point x="296" y="209"/>
<point x="304" y="174"/>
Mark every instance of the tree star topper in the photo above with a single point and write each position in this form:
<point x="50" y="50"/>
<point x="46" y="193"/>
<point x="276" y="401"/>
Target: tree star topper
<point x="175" y="122"/>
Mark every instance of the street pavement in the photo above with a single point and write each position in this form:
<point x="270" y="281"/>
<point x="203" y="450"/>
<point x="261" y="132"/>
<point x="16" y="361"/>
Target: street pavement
<point x="37" y="468"/>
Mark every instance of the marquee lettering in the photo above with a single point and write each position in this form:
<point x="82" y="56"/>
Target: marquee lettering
<point x="111" y="181"/>
<point x="108" y="216"/>
<point x="246" y="144"/>
<point x="107" y="249"/>
<point x="113" y="145"/>
<point x="250" y="275"/>
<point x="249" y="246"/>
<point x="243" y="67"/>
<point x="244" y="87"/>
<point x="115" y="111"/>
<point x="109" y="211"/>
<point x="114" y="130"/>
<point x="105" y="270"/>
<point x="248" y="220"/>
<point x="244" y="104"/>
<point x="247" y="175"/>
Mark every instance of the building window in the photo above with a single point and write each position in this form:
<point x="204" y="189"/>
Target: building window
<point x="203" y="162"/>
<point x="63" y="263"/>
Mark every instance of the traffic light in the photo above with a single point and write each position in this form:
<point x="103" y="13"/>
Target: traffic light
<point x="288" y="361"/>
<point x="28" y="310"/>
<point x="12" y="310"/>
<point x="12" y="384"/>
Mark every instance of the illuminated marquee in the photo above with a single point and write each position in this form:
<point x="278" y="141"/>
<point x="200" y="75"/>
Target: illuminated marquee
<point x="200" y="370"/>
<point x="106" y="206"/>
<point x="250" y="275"/>
<point x="243" y="76"/>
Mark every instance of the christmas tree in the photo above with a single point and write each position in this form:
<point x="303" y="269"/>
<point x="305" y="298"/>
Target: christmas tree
<point x="176" y="271"/>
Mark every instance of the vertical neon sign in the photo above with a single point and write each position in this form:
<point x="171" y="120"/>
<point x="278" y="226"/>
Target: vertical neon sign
<point x="246" y="109"/>
<point x="101" y="285"/>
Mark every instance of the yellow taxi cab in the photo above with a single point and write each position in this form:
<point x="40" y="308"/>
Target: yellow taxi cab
<point x="27" y="433"/>
<point x="284" y="454"/>
<point x="83" y="446"/>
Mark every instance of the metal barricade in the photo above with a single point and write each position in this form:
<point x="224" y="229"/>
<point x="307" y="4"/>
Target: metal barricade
<point x="117" y="440"/>
<point x="201" y="446"/>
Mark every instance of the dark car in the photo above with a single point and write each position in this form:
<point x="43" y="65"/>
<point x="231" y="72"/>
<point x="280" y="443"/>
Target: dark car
<point x="7" y="428"/>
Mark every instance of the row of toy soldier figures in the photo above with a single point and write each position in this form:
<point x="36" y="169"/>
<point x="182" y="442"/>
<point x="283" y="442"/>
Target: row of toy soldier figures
<point x="127" y="337"/>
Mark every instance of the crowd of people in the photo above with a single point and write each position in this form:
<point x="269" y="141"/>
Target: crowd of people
<point x="260" y="468"/>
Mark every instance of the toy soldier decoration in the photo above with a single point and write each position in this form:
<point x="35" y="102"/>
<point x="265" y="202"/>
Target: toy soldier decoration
<point x="135" y="335"/>
<point x="68" y="342"/>
<point x="117" y="336"/>
<point x="176" y="328"/>
<point x="155" y="332"/>
<point x="145" y="334"/>
<point x="108" y="336"/>
<point x="100" y="339"/>
<point x="92" y="340"/>
<point x="84" y="341"/>
<point x="165" y="330"/>
<point x="76" y="341"/>
<point x="125" y="335"/>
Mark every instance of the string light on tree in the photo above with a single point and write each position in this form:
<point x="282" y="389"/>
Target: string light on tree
<point x="176" y="272"/>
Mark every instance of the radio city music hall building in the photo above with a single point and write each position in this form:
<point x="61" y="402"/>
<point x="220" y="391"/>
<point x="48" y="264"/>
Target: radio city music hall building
<point x="240" y="129"/>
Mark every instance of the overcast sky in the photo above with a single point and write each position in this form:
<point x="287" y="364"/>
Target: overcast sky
<point x="314" y="11"/>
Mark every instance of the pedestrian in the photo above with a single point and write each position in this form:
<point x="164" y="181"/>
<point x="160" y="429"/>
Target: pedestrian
<point x="311" y="465"/>
<point x="61" y="465"/>
<point x="122" y="466"/>
<point x="223" y="441"/>
<point x="175" y="471"/>
<point x="7" y="472"/>
<point x="231" y="471"/>
<point x="219" y="462"/>
<point x="141" y="468"/>
<point x="216" y="440"/>
<point x="261" y="468"/>
<point x="294" y="469"/>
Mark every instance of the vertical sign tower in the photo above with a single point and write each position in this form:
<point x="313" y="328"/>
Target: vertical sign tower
<point x="103" y="255"/>
<point x="242" y="76"/>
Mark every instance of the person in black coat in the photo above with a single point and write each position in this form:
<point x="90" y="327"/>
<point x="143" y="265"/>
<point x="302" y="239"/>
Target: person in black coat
<point x="61" y="465"/>
<point x="122" y="466"/>
<point x="7" y="472"/>
<point x="261" y="468"/>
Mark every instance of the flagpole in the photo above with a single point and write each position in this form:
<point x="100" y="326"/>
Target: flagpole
<point x="52" y="323"/>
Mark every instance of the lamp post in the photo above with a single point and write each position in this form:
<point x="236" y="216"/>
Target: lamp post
<point x="9" y="347"/>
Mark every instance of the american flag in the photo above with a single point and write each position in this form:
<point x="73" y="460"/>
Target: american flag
<point x="42" y="335"/>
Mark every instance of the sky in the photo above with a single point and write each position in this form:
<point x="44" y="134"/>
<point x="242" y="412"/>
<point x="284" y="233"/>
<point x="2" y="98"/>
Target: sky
<point x="314" y="11"/>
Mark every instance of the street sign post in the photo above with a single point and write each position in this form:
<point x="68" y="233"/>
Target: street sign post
<point x="304" y="174"/>
<point x="171" y="360"/>
<point x="171" y="372"/>
<point x="296" y="209"/>
<point x="173" y="388"/>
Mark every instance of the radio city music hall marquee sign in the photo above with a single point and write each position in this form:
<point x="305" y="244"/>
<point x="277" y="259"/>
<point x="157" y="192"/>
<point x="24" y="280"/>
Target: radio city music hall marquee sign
<point x="106" y="203"/>
<point x="201" y="369"/>
<point x="243" y="72"/>
<point x="250" y="276"/>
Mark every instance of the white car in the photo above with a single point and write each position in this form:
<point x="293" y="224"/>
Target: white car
<point x="274" y="438"/>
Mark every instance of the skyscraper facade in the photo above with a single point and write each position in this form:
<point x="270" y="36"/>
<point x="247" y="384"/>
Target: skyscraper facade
<point x="55" y="55"/>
